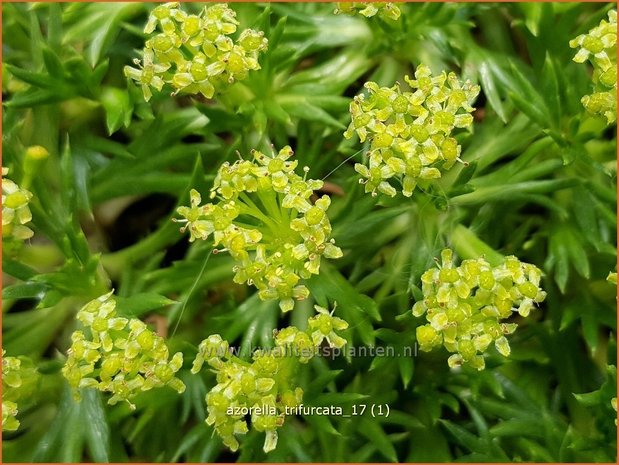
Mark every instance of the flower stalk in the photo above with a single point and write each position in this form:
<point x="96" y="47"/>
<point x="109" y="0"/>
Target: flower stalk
<point x="266" y="221"/>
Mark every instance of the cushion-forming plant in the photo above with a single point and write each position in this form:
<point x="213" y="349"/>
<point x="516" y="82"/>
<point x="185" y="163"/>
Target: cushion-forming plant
<point x="502" y="241"/>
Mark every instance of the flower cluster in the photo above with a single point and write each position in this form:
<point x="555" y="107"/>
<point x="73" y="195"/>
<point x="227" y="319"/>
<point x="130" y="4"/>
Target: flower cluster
<point x="599" y="46"/>
<point x="263" y="388"/>
<point x="264" y="218"/>
<point x="195" y="53"/>
<point x="464" y="306"/>
<point x="15" y="210"/>
<point x="383" y="9"/>
<point x="122" y="356"/>
<point x="409" y="133"/>
<point x="19" y="380"/>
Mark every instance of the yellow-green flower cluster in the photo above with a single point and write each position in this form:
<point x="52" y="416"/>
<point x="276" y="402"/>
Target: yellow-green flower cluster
<point x="383" y="9"/>
<point x="599" y="46"/>
<point x="409" y="133"/>
<point x="118" y="355"/>
<point x="195" y="53"/>
<point x="265" y="219"/>
<point x="15" y="210"/>
<point x="19" y="380"/>
<point x="464" y="306"/>
<point x="265" y="388"/>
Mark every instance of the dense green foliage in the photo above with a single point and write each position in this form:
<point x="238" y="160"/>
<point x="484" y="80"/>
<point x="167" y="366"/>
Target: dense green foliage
<point x="100" y="156"/>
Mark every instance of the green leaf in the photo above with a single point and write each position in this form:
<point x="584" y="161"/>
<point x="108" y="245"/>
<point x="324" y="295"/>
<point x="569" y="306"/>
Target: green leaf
<point x="322" y="423"/>
<point x="332" y="76"/>
<point x="491" y="92"/>
<point x="320" y="383"/>
<point x="406" y="370"/>
<point x="118" y="108"/>
<point x="518" y="427"/>
<point x="274" y="110"/>
<point x="372" y="430"/>
<point x="35" y="97"/>
<point x="578" y="255"/>
<point x="531" y="108"/>
<point x="337" y="398"/>
<point x="403" y="419"/>
<point x="352" y="232"/>
<point x="141" y="303"/>
<point x="97" y="429"/>
<point x="197" y="433"/>
<point x="512" y="191"/>
<point x="66" y="437"/>
<point x="53" y="64"/>
<point x="25" y="290"/>
<point x="100" y="23"/>
<point x="17" y="269"/>
<point x="551" y="91"/>
<point x="30" y="77"/>
<point x="300" y="106"/>
<point x="462" y="436"/>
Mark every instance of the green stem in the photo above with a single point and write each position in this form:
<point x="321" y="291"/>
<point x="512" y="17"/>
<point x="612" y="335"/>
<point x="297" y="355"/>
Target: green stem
<point x="468" y="245"/>
<point x="50" y="386"/>
<point x="288" y="368"/>
<point x="115" y="262"/>
<point x="288" y="214"/>
<point x="269" y="202"/>
<point x="400" y="259"/>
<point x="256" y="212"/>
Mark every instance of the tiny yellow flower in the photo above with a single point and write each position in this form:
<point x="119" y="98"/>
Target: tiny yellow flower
<point x="464" y="305"/>
<point x="194" y="54"/>
<point x="599" y="46"/>
<point x="265" y="387"/>
<point x="19" y="381"/>
<point x="384" y="10"/>
<point x="118" y="355"/>
<point x="409" y="132"/>
<point x="15" y="211"/>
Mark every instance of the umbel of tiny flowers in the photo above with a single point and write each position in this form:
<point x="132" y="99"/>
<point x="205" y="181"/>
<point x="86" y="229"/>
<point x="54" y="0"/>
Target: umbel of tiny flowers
<point x="195" y="53"/>
<point x="265" y="219"/>
<point x="15" y="211"/>
<point x="409" y="132"/>
<point x="118" y="355"/>
<point x="19" y="380"/>
<point x="265" y="387"/>
<point x="383" y="9"/>
<point x="599" y="46"/>
<point x="464" y="306"/>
